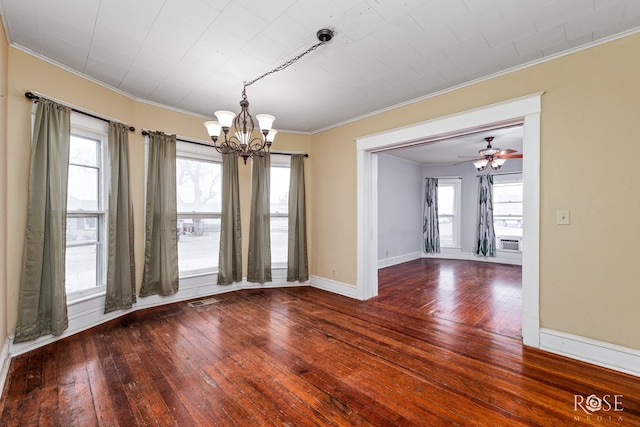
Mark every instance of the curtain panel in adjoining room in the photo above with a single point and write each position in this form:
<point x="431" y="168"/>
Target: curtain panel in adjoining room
<point x="297" y="259"/>
<point x="259" y="257"/>
<point x="230" y="258"/>
<point x="485" y="235"/>
<point x="160" y="275"/>
<point x="121" y="272"/>
<point x="430" y="226"/>
<point x="42" y="306"/>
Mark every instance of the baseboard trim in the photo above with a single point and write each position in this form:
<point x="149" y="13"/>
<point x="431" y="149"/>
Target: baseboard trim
<point x="89" y="312"/>
<point x="388" y="262"/>
<point x="600" y="353"/>
<point x="503" y="257"/>
<point x="334" y="286"/>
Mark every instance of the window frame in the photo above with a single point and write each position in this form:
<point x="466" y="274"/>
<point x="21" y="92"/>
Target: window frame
<point x="279" y="161"/>
<point x="509" y="179"/>
<point x="83" y="126"/>
<point x="456" y="221"/>
<point x="198" y="152"/>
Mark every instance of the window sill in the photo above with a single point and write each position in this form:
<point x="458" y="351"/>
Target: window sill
<point x="77" y="298"/>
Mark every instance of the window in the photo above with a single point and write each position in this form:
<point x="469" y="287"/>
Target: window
<point x="86" y="250"/>
<point x="199" y="205"/>
<point x="279" y="211"/>
<point x="507" y="205"/>
<point x="449" y="212"/>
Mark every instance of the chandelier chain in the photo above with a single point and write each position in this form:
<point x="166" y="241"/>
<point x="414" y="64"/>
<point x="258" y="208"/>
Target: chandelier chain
<point x="286" y="64"/>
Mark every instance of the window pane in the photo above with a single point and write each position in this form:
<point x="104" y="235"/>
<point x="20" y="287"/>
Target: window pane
<point x="82" y="192"/>
<point x="199" y="187"/>
<point x="198" y="244"/>
<point x="508" y="209"/>
<point x="508" y="192"/>
<point x="445" y="226"/>
<point x="279" y="237"/>
<point x="279" y="195"/>
<point x="82" y="229"/>
<point x="81" y="265"/>
<point x="84" y="151"/>
<point x="446" y="199"/>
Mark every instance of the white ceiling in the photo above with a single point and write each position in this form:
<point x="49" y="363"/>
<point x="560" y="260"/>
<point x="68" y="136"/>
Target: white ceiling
<point x="460" y="149"/>
<point x="193" y="55"/>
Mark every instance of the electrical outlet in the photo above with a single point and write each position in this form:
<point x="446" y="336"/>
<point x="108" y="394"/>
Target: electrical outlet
<point x="562" y="217"/>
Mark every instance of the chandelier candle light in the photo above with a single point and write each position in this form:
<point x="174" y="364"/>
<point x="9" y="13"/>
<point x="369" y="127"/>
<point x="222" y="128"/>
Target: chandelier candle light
<point x="242" y="142"/>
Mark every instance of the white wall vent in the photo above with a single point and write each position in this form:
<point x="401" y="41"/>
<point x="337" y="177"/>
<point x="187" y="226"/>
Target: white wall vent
<point x="509" y="244"/>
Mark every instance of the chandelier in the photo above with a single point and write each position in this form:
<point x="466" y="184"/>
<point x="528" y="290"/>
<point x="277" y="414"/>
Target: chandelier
<point x="241" y="141"/>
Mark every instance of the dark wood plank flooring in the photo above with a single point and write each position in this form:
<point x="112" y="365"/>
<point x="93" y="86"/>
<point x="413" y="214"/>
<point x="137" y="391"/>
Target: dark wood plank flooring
<point x="479" y="294"/>
<point x="301" y="356"/>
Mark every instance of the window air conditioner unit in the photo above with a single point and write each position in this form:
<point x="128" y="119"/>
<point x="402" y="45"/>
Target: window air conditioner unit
<point x="509" y="244"/>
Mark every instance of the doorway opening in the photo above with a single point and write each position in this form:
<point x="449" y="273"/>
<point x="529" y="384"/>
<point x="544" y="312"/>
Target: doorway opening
<point x="452" y="284"/>
<point x="525" y="110"/>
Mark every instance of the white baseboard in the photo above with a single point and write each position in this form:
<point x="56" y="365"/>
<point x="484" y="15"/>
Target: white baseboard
<point x="5" y="361"/>
<point x="334" y="286"/>
<point x="89" y="312"/>
<point x="388" y="262"/>
<point x="502" y="257"/>
<point x="592" y="351"/>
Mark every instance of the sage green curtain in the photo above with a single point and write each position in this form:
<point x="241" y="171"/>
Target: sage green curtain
<point x="297" y="261"/>
<point x="430" y="226"/>
<point x="42" y="305"/>
<point x="259" y="257"/>
<point x="230" y="258"/>
<point x="485" y="235"/>
<point x="121" y="271"/>
<point x="160" y="274"/>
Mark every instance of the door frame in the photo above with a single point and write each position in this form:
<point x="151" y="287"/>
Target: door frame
<point x="525" y="110"/>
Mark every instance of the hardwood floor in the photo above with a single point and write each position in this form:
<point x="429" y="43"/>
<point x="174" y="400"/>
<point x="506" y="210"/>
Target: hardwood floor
<point x="302" y="356"/>
<point x="474" y="293"/>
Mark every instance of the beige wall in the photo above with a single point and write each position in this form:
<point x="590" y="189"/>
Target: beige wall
<point x="29" y="73"/>
<point x="589" y="148"/>
<point x="589" y="154"/>
<point x="4" y="58"/>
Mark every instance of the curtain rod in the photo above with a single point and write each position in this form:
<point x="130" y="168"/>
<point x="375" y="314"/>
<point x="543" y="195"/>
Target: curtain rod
<point x="32" y="96"/>
<point x="501" y="173"/>
<point x="444" y="177"/>
<point x="145" y="132"/>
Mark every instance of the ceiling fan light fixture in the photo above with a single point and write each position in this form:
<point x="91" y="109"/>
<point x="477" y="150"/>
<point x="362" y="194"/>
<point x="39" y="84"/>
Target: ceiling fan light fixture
<point x="497" y="163"/>
<point x="489" y="151"/>
<point x="481" y="164"/>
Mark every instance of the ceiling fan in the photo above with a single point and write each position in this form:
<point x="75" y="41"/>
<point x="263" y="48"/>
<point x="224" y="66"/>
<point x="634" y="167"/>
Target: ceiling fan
<point x="493" y="156"/>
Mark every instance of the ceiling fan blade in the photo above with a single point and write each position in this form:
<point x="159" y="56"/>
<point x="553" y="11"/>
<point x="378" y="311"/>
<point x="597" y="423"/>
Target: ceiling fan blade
<point x="511" y="156"/>
<point x="465" y="161"/>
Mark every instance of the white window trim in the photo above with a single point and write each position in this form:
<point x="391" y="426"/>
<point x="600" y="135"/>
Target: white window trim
<point x="89" y="127"/>
<point x="457" y="222"/>
<point x="279" y="161"/>
<point x="510" y="178"/>
<point x="187" y="150"/>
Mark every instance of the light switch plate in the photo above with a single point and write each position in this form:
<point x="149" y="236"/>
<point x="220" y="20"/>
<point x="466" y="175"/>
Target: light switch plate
<point x="562" y="217"/>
